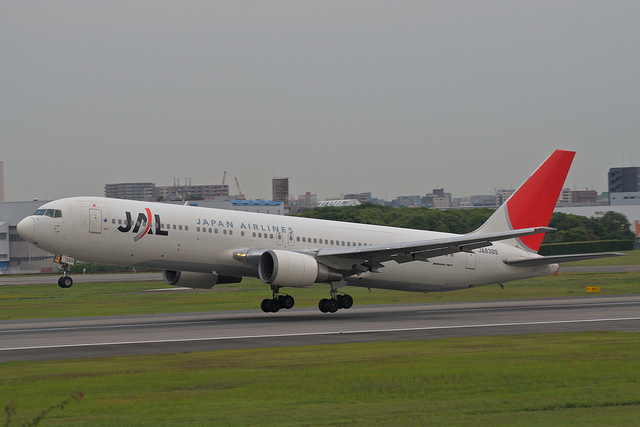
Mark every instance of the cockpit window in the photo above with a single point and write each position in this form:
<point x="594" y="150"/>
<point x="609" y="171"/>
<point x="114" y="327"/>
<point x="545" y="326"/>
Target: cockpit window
<point x="53" y="213"/>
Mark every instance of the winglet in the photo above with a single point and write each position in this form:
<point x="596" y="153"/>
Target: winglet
<point x="533" y="202"/>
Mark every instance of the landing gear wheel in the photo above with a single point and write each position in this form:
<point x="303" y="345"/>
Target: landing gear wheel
<point x="265" y="305"/>
<point x="286" y="301"/>
<point x="273" y="305"/>
<point x="333" y="305"/>
<point x="323" y="305"/>
<point x="346" y="301"/>
<point x="65" y="282"/>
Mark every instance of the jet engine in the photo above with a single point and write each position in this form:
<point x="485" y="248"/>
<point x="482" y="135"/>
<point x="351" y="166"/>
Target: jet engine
<point x="286" y="268"/>
<point x="189" y="279"/>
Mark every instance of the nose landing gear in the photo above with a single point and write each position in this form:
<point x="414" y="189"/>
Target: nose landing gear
<point x="65" y="281"/>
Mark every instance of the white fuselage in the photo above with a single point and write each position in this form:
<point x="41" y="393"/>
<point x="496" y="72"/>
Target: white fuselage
<point x="188" y="238"/>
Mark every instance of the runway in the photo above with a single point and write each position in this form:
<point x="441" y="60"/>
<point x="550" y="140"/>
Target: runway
<point x="185" y="332"/>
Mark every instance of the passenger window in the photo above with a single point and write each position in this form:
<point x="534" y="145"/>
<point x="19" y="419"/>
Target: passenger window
<point x="186" y="228"/>
<point x="180" y="227"/>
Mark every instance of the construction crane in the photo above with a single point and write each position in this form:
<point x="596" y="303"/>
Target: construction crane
<point x="224" y="176"/>
<point x="239" y="190"/>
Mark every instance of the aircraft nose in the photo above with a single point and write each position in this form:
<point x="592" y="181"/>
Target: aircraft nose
<point x="26" y="228"/>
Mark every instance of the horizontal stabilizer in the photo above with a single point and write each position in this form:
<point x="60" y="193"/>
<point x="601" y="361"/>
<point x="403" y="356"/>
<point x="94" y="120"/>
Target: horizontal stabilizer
<point x="554" y="259"/>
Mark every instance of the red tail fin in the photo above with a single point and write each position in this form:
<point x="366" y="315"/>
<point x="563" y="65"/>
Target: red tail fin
<point x="533" y="203"/>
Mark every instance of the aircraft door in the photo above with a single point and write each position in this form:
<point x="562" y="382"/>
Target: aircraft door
<point x="279" y="238"/>
<point x="471" y="260"/>
<point x="291" y="240"/>
<point x="95" y="221"/>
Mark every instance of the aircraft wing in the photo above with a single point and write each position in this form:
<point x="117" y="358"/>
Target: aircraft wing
<point x="424" y="249"/>
<point x="554" y="259"/>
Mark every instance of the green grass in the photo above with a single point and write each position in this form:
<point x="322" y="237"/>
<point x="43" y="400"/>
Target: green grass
<point x="104" y="299"/>
<point x="631" y="258"/>
<point x="588" y="379"/>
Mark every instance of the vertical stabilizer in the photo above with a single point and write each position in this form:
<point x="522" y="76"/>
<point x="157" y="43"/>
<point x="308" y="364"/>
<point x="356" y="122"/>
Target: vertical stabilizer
<point x="533" y="202"/>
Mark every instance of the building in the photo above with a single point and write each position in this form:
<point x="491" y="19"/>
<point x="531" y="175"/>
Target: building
<point x="624" y="186"/>
<point x="437" y="199"/>
<point x="191" y="192"/>
<point x="307" y="201"/>
<point x="480" y="201"/>
<point x="16" y="254"/>
<point x="147" y="191"/>
<point x="407" y="201"/>
<point x="361" y="197"/>
<point x="339" y="203"/>
<point x="280" y="190"/>
<point x="584" y="196"/>
<point x="565" y="196"/>
<point x="130" y="190"/>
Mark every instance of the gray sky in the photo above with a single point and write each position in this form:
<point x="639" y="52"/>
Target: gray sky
<point x="393" y="97"/>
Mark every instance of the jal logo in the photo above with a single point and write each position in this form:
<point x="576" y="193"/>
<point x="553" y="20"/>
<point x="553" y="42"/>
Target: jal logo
<point x="142" y="226"/>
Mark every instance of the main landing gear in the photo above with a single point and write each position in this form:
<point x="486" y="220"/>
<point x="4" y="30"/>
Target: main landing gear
<point x="277" y="302"/>
<point x="335" y="303"/>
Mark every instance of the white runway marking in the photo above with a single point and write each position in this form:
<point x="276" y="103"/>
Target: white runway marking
<point x="364" y="331"/>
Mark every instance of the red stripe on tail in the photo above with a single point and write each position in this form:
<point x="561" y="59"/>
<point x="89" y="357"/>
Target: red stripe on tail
<point x="533" y="203"/>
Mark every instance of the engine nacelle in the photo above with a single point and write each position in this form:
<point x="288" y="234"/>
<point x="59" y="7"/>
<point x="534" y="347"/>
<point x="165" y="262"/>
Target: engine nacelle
<point x="189" y="279"/>
<point x="286" y="268"/>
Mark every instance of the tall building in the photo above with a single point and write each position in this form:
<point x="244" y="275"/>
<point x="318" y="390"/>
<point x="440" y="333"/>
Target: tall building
<point x="280" y="188"/>
<point x="624" y="186"/>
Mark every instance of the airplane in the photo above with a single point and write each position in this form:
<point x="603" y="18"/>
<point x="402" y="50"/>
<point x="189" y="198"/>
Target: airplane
<point x="199" y="247"/>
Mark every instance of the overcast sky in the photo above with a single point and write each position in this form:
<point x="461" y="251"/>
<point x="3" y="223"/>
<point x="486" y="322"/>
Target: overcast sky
<point x="391" y="97"/>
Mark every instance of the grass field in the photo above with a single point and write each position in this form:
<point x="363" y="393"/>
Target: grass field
<point x="98" y="299"/>
<point x="587" y="379"/>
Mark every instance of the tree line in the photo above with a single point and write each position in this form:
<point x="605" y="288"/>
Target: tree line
<point x="571" y="228"/>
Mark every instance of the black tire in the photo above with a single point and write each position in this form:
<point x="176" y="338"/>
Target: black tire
<point x="346" y="301"/>
<point x="274" y="305"/>
<point x="265" y="305"/>
<point x="65" y="282"/>
<point x="323" y="305"/>
<point x="333" y="305"/>
<point x="286" y="301"/>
